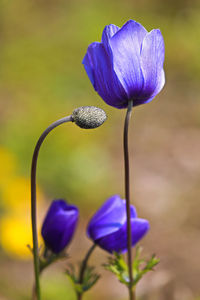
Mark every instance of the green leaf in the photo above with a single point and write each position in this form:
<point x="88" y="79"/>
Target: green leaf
<point x="45" y="261"/>
<point x="117" y="265"/>
<point x="89" y="279"/>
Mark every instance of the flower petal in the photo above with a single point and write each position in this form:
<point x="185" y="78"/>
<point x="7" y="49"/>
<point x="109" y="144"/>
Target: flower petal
<point x="152" y="59"/>
<point x="160" y="85"/>
<point x="133" y="210"/>
<point x="117" y="241"/>
<point x="139" y="228"/>
<point x="98" y="65"/>
<point x="126" y="47"/>
<point x="142" y="99"/>
<point x="108" y="32"/>
<point x="88" y="65"/>
<point x="108" y="219"/>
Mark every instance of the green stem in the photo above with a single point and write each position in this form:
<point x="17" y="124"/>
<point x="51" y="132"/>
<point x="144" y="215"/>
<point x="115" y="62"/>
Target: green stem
<point x="83" y="268"/>
<point x="33" y="200"/>
<point x="127" y="197"/>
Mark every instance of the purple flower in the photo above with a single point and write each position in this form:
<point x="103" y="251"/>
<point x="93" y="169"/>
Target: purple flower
<point x="59" y="225"/>
<point x="107" y="228"/>
<point x="127" y="64"/>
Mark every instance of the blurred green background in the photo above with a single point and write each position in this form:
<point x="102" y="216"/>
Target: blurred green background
<point x="42" y="44"/>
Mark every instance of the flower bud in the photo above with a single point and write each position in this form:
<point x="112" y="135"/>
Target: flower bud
<point x="89" y="117"/>
<point x="59" y="225"/>
<point x="108" y="227"/>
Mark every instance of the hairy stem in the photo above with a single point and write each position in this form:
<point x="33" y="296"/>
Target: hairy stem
<point x="33" y="201"/>
<point x="127" y="197"/>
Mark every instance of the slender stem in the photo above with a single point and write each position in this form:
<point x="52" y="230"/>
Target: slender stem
<point x="33" y="199"/>
<point x="127" y="197"/>
<point x="83" y="268"/>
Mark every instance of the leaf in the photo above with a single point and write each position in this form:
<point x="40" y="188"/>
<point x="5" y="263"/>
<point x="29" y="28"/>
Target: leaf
<point x="89" y="279"/>
<point x="117" y="265"/>
<point x="44" y="262"/>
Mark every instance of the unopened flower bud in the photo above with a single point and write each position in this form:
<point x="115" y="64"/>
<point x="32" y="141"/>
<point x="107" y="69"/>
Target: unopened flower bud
<point x="89" y="117"/>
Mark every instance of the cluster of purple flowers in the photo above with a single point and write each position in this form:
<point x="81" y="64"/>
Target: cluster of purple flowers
<point x="107" y="228"/>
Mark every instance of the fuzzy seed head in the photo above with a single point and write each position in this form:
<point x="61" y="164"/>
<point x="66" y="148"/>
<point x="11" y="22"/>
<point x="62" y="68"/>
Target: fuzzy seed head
<point x="89" y="117"/>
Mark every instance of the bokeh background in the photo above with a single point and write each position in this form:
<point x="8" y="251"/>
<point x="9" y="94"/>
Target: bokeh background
<point x="42" y="43"/>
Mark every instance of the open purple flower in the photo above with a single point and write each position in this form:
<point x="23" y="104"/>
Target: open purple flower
<point x="59" y="225"/>
<point x="127" y="64"/>
<point x="108" y="227"/>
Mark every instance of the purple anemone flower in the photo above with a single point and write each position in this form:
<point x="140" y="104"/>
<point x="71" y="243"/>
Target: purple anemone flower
<point x="59" y="225"/>
<point x="108" y="227"/>
<point x="127" y="64"/>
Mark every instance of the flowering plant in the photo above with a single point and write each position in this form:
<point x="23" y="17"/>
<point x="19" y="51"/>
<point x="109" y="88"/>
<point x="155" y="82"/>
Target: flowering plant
<point x="126" y="69"/>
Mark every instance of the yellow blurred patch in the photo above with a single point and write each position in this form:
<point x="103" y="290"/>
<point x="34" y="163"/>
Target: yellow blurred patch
<point x="15" y="236"/>
<point x="16" y="195"/>
<point x="15" y="223"/>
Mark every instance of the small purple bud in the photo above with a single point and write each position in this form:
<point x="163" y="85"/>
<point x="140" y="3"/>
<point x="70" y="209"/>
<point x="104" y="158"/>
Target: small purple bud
<point x="59" y="225"/>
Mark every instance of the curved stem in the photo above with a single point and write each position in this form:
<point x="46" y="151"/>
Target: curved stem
<point x="127" y="197"/>
<point x="33" y="199"/>
<point x="83" y="268"/>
